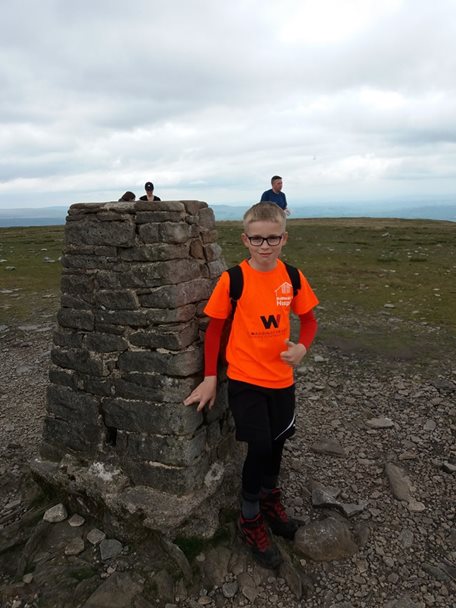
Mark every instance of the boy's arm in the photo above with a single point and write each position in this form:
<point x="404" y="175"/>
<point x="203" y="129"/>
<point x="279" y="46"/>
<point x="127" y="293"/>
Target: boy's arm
<point x="296" y="352"/>
<point x="308" y="328"/>
<point x="204" y="394"/>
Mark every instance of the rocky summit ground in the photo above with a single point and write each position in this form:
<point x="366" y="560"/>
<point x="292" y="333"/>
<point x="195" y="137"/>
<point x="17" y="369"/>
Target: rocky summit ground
<point x="370" y="473"/>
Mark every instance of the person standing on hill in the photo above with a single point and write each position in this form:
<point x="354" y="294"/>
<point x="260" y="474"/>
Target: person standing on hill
<point x="275" y="194"/>
<point x="149" y="196"/>
<point x="261" y="359"/>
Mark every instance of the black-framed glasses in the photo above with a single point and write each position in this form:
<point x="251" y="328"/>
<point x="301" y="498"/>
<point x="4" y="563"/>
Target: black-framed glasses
<point x="272" y="241"/>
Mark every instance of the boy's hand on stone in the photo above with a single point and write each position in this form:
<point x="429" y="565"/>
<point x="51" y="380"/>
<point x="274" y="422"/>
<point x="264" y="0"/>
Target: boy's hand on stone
<point x="294" y="353"/>
<point x="204" y="394"/>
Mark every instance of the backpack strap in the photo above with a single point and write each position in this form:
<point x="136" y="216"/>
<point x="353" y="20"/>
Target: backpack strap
<point x="237" y="283"/>
<point x="236" y="286"/>
<point x="295" y="278"/>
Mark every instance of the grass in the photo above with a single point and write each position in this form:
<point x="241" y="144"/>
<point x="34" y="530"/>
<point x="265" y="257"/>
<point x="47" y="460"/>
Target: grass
<point x="364" y="264"/>
<point x="356" y="266"/>
<point x="31" y="289"/>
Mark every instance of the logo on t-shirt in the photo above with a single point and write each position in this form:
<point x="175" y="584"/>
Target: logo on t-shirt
<point x="271" y="321"/>
<point x="284" y="294"/>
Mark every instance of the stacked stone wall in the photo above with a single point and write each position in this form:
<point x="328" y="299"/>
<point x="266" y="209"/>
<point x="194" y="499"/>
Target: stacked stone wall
<point x="128" y="346"/>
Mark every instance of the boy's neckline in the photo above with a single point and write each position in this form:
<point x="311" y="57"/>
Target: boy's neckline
<point x="261" y="269"/>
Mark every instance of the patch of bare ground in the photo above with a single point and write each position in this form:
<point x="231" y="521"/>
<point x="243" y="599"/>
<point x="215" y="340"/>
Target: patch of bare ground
<point x="367" y="411"/>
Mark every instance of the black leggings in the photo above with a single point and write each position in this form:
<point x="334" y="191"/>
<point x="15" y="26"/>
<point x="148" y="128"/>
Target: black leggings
<point x="261" y="467"/>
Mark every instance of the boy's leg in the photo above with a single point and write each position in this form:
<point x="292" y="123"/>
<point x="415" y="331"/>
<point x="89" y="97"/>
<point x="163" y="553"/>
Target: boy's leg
<point x="257" y="462"/>
<point x="250" y="412"/>
<point x="282" y="406"/>
<point x="251" y="522"/>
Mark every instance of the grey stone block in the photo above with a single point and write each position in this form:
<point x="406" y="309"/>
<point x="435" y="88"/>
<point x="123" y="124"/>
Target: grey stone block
<point x="79" y="438"/>
<point x="150" y="416"/>
<point x="108" y="328"/>
<point x="79" y="285"/>
<point x="154" y="253"/>
<point x="68" y="338"/>
<point x="159" y="206"/>
<point x="216" y="268"/>
<point x="97" y="386"/>
<point x="112" y="215"/>
<point x="68" y="301"/>
<point x="70" y="405"/>
<point x="183" y="314"/>
<point x="171" y="232"/>
<point x="192" y="207"/>
<point x="206" y="218"/>
<point x="93" y="250"/>
<point x="197" y="249"/>
<point x="124" y="299"/>
<point x="157" y="387"/>
<point x="81" y="209"/>
<point x="160" y="216"/>
<point x="149" y="233"/>
<point x="132" y="318"/>
<point x="167" y="449"/>
<point x="79" y="360"/>
<point x="172" y="337"/>
<point x="64" y="377"/>
<point x="212" y="252"/>
<point x="105" y="251"/>
<point x="183" y="363"/>
<point x="105" y="343"/>
<point x="81" y="382"/>
<point x="156" y="274"/>
<point x="91" y="231"/>
<point x="209" y="236"/>
<point x="176" y="480"/>
<point x="86" y="262"/>
<point x="76" y="319"/>
<point x="107" y="279"/>
<point x="172" y="296"/>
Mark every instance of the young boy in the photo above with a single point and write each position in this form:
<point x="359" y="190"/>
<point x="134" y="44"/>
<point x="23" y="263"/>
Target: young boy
<point x="260" y="360"/>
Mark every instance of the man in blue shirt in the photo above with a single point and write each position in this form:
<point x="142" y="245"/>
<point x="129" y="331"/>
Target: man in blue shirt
<point x="275" y="194"/>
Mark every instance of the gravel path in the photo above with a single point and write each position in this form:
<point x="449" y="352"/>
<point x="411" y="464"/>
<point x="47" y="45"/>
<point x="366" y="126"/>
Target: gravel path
<point x="407" y="549"/>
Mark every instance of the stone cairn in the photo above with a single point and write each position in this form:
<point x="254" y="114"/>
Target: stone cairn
<point x="117" y="439"/>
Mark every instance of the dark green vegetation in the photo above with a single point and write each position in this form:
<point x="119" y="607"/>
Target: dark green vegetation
<point x="386" y="286"/>
<point x="364" y="264"/>
<point x="369" y="274"/>
<point x="31" y="289"/>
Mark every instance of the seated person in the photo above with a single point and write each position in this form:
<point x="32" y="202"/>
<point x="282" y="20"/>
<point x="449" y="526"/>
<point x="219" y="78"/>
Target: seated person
<point x="127" y="197"/>
<point x="149" y="196"/>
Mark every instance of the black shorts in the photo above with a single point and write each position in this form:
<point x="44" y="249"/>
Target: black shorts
<point x="262" y="414"/>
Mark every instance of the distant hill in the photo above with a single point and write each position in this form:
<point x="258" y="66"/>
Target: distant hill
<point x="41" y="216"/>
<point x="51" y="216"/>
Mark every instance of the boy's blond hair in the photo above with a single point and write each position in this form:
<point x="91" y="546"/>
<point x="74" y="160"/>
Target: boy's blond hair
<point x="264" y="212"/>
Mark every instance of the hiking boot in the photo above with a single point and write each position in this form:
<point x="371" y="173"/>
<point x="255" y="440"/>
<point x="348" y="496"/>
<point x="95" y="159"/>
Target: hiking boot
<point x="274" y="512"/>
<point x="255" y="534"/>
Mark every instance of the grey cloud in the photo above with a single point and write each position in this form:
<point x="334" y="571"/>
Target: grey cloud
<point x="207" y="91"/>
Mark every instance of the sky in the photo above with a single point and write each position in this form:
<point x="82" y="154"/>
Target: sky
<point x="347" y="100"/>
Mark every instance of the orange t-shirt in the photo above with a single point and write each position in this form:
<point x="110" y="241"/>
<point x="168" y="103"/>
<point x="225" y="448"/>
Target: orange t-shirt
<point x="261" y="323"/>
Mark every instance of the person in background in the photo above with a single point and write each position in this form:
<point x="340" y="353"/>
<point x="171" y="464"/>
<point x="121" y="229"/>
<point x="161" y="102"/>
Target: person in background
<point x="261" y="359"/>
<point x="149" y="196"/>
<point x="275" y="194"/>
<point x="127" y="197"/>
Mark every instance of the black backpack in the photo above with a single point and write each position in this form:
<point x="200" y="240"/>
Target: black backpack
<point x="236" y="287"/>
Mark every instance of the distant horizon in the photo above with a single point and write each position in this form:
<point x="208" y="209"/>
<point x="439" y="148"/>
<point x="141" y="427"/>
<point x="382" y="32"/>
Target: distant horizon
<point x="443" y="210"/>
<point x="406" y="200"/>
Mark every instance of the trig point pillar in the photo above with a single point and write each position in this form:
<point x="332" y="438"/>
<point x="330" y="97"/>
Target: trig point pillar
<point x="128" y="348"/>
